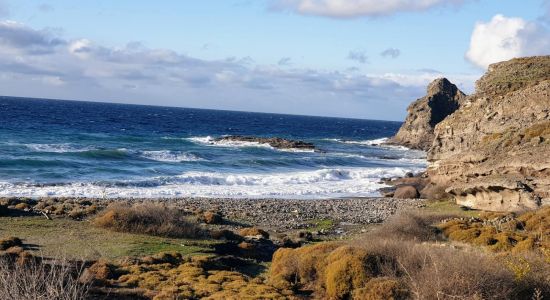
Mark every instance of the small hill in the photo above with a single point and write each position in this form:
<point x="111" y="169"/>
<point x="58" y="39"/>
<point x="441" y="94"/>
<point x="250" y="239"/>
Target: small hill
<point x="493" y="153"/>
<point x="442" y="99"/>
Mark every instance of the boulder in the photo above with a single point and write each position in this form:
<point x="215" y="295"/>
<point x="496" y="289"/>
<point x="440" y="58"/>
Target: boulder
<point x="406" y="192"/>
<point x="442" y="99"/>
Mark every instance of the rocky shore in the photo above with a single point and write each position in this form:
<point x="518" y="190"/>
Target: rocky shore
<point x="274" y="142"/>
<point x="282" y="214"/>
<point x="277" y="215"/>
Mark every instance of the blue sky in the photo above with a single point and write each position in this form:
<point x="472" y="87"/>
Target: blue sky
<point x="315" y="57"/>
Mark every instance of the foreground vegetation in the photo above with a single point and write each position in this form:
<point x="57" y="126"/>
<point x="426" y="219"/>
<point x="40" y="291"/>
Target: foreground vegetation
<point x="151" y="251"/>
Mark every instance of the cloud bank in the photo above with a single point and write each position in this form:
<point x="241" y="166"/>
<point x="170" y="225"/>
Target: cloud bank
<point x="40" y="63"/>
<point x="359" y="8"/>
<point x="503" y="38"/>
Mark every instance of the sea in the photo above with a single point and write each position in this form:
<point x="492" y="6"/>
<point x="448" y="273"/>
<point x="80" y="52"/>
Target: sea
<point x="54" y="148"/>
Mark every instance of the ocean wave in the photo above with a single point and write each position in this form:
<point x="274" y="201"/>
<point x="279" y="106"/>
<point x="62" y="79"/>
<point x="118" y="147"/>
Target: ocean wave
<point x="311" y="184"/>
<point x="169" y="156"/>
<point x="381" y="142"/>
<point x="56" y="148"/>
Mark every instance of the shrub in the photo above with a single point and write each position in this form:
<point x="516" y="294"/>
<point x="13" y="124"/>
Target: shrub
<point x="253" y="231"/>
<point x="411" y="226"/>
<point x="10" y="242"/>
<point x="404" y="259"/>
<point x="149" y="218"/>
<point x="348" y="268"/>
<point x="503" y="232"/>
<point x="382" y="288"/>
<point x="211" y="217"/>
<point x="330" y="269"/>
<point x="37" y="280"/>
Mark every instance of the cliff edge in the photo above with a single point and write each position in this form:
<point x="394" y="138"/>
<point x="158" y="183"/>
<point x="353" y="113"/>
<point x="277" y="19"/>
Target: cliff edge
<point x="494" y="152"/>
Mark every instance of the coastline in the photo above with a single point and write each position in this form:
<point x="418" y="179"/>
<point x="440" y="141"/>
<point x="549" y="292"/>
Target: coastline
<point x="345" y="215"/>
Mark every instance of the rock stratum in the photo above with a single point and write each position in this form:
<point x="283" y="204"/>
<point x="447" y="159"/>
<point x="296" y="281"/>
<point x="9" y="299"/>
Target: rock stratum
<point x="493" y="152"/>
<point x="442" y="99"/>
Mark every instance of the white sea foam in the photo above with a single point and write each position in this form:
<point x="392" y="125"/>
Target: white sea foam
<point x="169" y="156"/>
<point x="56" y="148"/>
<point x="310" y="184"/>
<point x="381" y="142"/>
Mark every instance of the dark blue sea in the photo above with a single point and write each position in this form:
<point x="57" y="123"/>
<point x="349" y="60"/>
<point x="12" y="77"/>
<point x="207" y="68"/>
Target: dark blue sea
<point x="72" y="148"/>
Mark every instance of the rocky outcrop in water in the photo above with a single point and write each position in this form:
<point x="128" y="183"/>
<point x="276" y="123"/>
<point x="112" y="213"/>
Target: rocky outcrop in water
<point x="442" y="99"/>
<point x="274" y="142"/>
<point x="494" y="152"/>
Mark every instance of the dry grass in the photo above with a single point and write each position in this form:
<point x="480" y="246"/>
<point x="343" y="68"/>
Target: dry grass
<point x="150" y="219"/>
<point x="173" y="276"/>
<point x="415" y="226"/>
<point x="35" y="280"/>
<point x="408" y="258"/>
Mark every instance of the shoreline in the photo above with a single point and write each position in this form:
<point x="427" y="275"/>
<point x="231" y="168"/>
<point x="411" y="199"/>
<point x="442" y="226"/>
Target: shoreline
<point x="343" y="214"/>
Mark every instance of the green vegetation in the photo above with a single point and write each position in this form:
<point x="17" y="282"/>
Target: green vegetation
<point x="449" y="207"/>
<point x="80" y="240"/>
<point x="435" y="252"/>
<point x="321" y="224"/>
<point x="515" y="74"/>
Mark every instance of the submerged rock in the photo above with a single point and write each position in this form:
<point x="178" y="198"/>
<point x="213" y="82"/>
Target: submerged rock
<point x="274" y="142"/>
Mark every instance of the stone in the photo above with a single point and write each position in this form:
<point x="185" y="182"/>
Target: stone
<point x="274" y="142"/>
<point x="406" y="192"/>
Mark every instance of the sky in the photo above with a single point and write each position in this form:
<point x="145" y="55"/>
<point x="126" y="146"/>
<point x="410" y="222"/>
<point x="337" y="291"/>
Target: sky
<point x="343" y="58"/>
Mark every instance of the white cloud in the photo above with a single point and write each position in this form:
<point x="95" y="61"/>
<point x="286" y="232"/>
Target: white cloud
<point x="504" y="38"/>
<point x="359" y="8"/>
<point x="38" y="63"/>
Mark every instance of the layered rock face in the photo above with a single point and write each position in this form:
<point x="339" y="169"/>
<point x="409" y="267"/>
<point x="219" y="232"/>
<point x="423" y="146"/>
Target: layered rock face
<point x="494" y="152"/>
<point x="443" y="98"/>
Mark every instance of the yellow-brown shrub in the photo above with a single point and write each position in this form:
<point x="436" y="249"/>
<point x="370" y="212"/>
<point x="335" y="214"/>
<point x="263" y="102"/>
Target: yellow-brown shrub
<point x="381" y="288"/>
<point x="330" y="269"/>
<point x="149" y="218"/>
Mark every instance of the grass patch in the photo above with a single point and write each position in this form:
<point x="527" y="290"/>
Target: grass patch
<point x="79" y="240"/>
<point x="321" y="224"/>
<point x="449" y="207"/>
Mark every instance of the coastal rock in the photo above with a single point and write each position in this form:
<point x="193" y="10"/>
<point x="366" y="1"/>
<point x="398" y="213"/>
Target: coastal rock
<point x="442" y="99"/>
<point x="494" y="152"/>
<point x="406" y="192"/>
<point x="274" y="142"/>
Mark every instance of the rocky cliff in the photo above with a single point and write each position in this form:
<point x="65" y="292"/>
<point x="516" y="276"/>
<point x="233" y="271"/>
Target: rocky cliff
<point x="442" y="99"/>
<point x="494" y="152"/>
